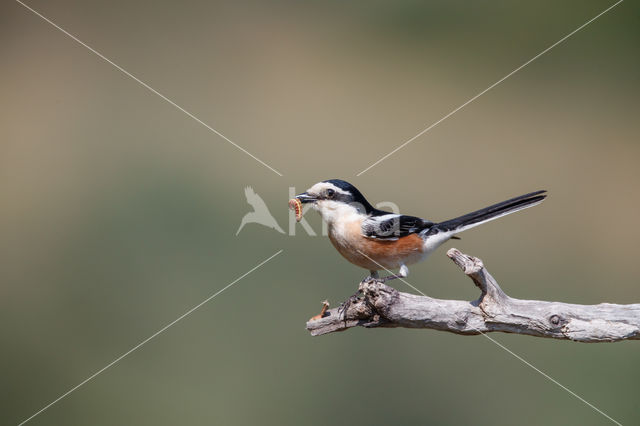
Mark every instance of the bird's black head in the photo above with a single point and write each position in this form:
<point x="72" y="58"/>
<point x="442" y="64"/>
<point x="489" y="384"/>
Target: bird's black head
<point x="338" y="191"/>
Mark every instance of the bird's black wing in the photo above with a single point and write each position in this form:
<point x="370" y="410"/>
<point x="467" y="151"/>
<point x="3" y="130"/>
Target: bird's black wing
<point x="393" y="226"/>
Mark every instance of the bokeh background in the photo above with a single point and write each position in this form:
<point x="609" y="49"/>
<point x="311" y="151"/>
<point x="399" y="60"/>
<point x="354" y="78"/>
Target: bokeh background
<point x="119" y="212"/>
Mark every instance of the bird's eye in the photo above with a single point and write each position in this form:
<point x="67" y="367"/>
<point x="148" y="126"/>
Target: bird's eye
<point x="330" y="193"/>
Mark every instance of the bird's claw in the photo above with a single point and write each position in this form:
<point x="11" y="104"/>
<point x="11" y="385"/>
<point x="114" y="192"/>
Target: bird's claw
<point x="368" y="280"/>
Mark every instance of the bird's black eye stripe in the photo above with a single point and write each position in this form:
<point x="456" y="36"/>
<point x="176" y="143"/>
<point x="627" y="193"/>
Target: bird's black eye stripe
<point x="330" y="193"/>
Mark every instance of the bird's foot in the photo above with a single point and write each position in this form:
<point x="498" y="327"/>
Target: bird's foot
<point x="368" y="279"/>
<point x="402" y="273"/>
<point x="363" y="284"/>
<point x="390" y="277"/>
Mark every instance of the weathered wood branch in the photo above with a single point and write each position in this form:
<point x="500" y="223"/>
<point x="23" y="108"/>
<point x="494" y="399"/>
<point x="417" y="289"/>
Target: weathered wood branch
<point x="384" y="306"/>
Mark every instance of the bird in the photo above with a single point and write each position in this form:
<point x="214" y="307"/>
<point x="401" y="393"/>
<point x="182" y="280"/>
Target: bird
<point x="379" y="240"/>
<point x="260" y="213"/>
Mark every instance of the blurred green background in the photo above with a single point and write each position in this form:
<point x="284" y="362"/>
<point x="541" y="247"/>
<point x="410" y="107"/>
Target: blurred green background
<point x="119" y="212"/>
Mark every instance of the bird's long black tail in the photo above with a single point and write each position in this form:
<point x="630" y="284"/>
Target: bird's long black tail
<point x="495" y="211"/>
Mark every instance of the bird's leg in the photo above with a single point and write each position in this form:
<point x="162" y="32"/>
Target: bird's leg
<point x="402" y="273"/>
<point x="373" y="275"/>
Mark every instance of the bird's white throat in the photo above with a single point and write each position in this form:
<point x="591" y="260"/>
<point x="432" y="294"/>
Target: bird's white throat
<point x="332" y="211"/>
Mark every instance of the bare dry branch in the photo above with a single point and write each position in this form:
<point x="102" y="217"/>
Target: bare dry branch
<point x="384" y="306"/>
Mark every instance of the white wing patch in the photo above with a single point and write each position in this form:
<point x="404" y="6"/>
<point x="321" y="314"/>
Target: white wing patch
<point x="393" y="226"/>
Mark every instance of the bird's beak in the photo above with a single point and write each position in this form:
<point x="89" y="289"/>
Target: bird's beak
<point x="306" y="198"/>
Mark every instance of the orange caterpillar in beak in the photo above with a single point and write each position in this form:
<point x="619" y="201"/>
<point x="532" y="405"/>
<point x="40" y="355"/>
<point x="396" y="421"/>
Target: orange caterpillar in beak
<point x="296" y="206"/>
